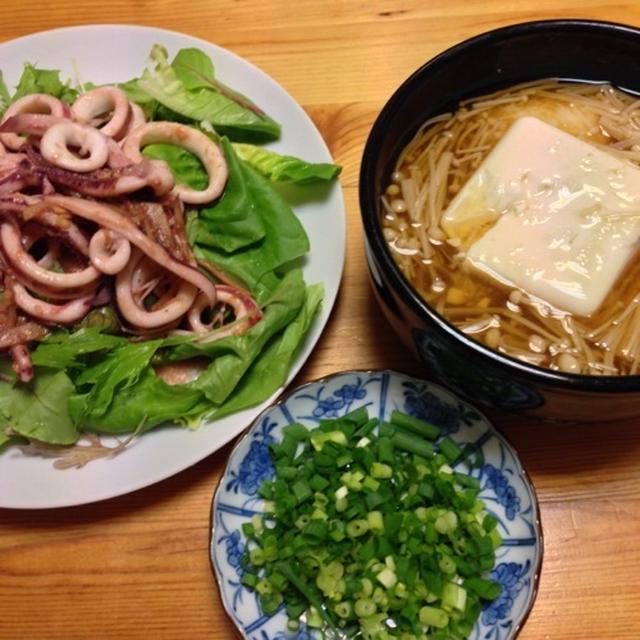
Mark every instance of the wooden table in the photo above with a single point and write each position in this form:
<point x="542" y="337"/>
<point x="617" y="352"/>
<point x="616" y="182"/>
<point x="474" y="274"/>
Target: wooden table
<point x="137" y="566"/>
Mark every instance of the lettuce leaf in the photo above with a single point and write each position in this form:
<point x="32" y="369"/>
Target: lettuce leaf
<point x="185" y="166"/>
<point x="224" y="373"/>
<point x="205" y="99"/>
<point x="35" y="80"/>
<point x="116" y="372"/>
<point x="5" y="96"/>
<point x="121" y="392"/>
<point x="39" y="411"/>
<point x="144" y="404"/>
<point x="250" y="199"/>
<point x="235" y="221"/>
<point x="280" y="168"/>
<point x="268" y="373"/>
<point x="62" y="350"/>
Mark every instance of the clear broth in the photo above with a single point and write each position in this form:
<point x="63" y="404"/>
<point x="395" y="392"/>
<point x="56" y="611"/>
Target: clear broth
<point x="433" y="168"/>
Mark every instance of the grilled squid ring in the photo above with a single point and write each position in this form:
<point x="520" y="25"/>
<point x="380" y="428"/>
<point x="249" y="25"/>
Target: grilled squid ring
<point x="190" y="139"/>
<point x="36" y="103"/>
<point x="111" y="218"/>
<point x="49" y="313"/>
<point x="50" y="257"/>
<point x="109" y="252"/>
<point x="136" y="119"/>
<point x="25" y="264"/>
<point x="91" y="107"/>
<point x="245" y="310"/>
<point x="167" y="310"/>
<point x="57" y="139"/>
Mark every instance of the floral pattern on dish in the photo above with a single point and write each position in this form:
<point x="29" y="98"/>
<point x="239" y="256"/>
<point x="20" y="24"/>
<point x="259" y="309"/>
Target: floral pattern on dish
<point x="333" y="403"/>
<point x="426" y="405"/>
<point x="505" y="488"/>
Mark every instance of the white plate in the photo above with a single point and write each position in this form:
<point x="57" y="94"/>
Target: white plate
<point x="505" y="489"/>
<point x="113" y="53"/>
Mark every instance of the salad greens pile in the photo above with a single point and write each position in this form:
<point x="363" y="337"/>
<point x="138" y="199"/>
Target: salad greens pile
<point x="88" y="378"/>
<point x="369" y="533"/>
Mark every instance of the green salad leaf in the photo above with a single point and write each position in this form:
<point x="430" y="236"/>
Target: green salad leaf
<point x="269" y="372"/>
<point x="34" y="80"/>
<point x="40" y="410"/>
<point x="89" y="379"/>
<point x="121" y="391"/>
<point x="62" y="350"/>
<point x="235" y="221"/>
<point x="143" y="404"/>
<point x="199" y="100"/>
<point x="5" y="96"/>
<point x="279" y="168"/>
<point x="256" y="264"/>
<point x="185" y="166"/>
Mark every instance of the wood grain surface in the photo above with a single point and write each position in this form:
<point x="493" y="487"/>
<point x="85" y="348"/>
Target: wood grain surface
<point x="137" y="566"/>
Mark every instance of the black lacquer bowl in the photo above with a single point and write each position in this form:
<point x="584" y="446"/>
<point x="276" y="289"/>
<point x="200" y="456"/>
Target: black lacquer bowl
<point x="567" y="49"/>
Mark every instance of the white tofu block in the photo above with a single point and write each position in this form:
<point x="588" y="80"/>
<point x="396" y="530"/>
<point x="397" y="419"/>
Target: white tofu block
<point x="563" y="216"/>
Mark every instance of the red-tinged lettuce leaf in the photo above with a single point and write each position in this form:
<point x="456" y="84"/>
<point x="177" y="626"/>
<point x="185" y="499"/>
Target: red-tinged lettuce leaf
<point x="176" y="89"/>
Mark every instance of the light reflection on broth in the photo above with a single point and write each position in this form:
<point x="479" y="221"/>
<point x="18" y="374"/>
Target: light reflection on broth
<point x="432" y="169"/>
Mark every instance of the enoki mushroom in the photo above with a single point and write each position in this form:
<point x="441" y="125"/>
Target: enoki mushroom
<point x="432" y="169"/>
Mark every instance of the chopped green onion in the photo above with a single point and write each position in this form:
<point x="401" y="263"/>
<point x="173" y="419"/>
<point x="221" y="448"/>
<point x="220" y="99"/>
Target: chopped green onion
<point x="434" y="617"/>
<point x="297" y="431"/>
<point x="417" y="426"/>
<point x="454" y="597"/>
<point x="380" y="470"/>
<point x="485" y="589"/>
<point x="319" y="439"/>
<point x="376" y="522"/>
<point x="372" y="532"/>
<point x="301" y="490"/>
<point x="365" y="607"/>
<point x="449" y="449"/>
<point x="357" y="528"/>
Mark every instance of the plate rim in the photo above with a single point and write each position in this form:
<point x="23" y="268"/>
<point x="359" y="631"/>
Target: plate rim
<point x="289" y="393"/>
<point x="328" y="303"/>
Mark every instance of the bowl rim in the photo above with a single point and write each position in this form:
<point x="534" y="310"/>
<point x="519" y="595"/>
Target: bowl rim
<point x="290" y="392"/>
<point x="375" y="243"/>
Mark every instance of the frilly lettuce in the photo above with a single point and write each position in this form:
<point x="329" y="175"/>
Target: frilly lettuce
<point x="34" y="80"/>
<point x="188" y="87"/>
<point x="279" y="168"/>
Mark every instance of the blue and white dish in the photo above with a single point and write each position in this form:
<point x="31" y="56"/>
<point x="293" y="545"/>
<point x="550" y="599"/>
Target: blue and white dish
<point x="506" y="491"/>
